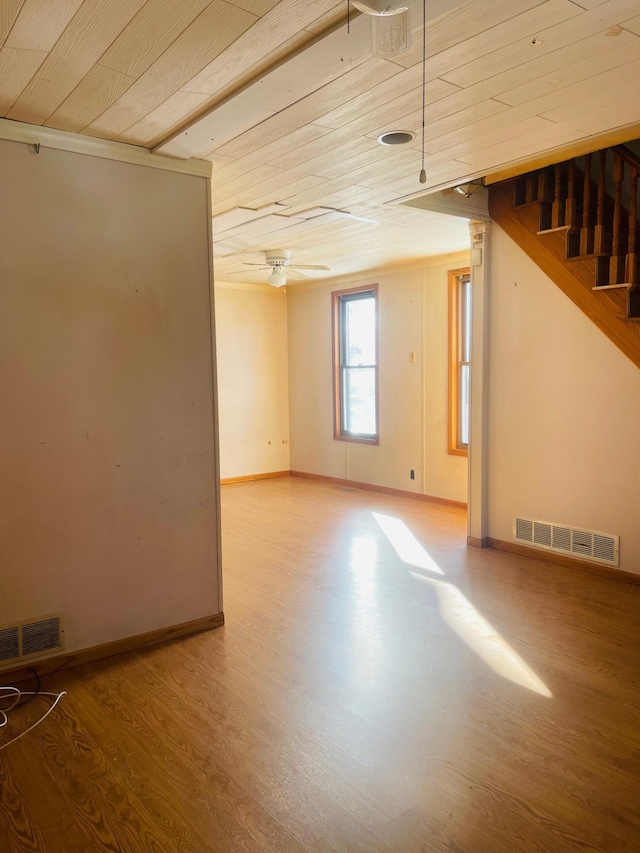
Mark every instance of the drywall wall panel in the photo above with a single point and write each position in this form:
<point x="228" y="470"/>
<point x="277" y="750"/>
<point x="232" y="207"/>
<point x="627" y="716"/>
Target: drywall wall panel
<point x="564" y="410"/>
<point x="413" y="319"/>
<point x="253" y="395"/>
<point x="445" y="475"/>
<point x="107" y="453"/>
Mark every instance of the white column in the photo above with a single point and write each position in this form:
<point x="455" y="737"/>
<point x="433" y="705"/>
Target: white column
<point x="479" y="390"/>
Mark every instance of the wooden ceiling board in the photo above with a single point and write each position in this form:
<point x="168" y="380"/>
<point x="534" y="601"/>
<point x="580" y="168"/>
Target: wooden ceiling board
<point x="543" y="140"/>
<point x="618" y="112"/>
<point x="173" y="111"/>
<point x="9" y="11"/>
<point x="41" y="23"/>
<point x="91" y="30"/>
<point x="324" y="151"/>
<point x="149" y="34"/>
<point x="623" y="50"/>
<point x="453" y="32"/>
<point x="548" y="39"/>
<point x="215" y="28"/>
<point x="633" y="25"/>
<point x="352" y="83"/>
<point x="280" y="24"/>
<point x="404" y="80"/>
<point x="17" y="67"/>
<point x="270" y="153"/>
<point x="100" y="88"/>
<point x="506" y="81"/>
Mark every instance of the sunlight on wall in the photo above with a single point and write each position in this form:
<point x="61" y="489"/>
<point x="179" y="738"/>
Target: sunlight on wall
<point x="459" y="613"/>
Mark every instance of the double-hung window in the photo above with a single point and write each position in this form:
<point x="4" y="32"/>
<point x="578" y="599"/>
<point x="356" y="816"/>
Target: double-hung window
<point x="355" y="346"/>
<point x="459" y="360"/>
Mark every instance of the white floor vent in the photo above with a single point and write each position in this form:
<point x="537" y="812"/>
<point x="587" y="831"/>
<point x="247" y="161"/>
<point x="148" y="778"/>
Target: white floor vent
<point x="23" y="640"/>
<point x="585" y="544"/>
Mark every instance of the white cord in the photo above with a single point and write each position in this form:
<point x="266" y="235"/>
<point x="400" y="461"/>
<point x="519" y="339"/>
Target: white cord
<point x="16" y="695"/>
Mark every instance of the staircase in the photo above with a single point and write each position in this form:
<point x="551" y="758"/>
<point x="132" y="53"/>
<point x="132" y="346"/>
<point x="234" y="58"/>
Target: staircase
<point x="578" y="221"/>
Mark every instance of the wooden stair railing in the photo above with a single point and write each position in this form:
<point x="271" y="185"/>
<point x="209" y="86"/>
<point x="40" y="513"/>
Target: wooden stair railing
<point x="582" y="232"/>
<point x="597" y="224"/>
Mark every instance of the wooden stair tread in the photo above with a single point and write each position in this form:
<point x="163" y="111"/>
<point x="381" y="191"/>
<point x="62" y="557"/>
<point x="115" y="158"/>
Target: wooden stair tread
<point x="607" y="310"/>
<point x="612" y="287"/>
<point x="587" y="257"/>
<point x="555" y="230"/>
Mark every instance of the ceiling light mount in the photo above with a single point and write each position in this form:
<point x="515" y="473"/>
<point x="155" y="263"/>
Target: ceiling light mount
<point x="468" y="188"/>
<point x="381" y="8"/>
<point x="396" y="137"/>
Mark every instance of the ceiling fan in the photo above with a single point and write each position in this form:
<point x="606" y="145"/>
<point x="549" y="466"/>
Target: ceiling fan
<point x="278" y="261"/>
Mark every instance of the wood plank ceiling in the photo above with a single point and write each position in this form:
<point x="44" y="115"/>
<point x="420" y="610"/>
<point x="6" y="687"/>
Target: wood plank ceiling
<point x="505" y="82"/>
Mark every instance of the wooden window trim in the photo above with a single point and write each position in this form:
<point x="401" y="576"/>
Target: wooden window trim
<point x="453" y="447"/>
<point x="335" y="343"/>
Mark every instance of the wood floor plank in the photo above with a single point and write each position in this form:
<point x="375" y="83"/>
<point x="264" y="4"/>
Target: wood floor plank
<point x="354" y="700"/>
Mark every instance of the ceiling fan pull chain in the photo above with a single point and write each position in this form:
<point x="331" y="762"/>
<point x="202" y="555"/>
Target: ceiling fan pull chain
<point x="348" y="16"/>
<point x="423" y="174"/>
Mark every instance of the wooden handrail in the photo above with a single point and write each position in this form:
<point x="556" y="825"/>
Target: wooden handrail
<point x="627" y="155"/>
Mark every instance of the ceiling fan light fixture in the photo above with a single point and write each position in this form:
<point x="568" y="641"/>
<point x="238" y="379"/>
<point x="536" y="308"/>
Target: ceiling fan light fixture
<point x="469" y="188"/>
<point x="278" y="278"/>
<point x="382" y="7"/>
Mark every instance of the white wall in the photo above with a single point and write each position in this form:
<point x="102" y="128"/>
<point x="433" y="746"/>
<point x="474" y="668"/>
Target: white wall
<point x="564" y="411"/>
<point x="253" y="394"/>
<point x="413" y="317"/>
<point x="108" y="507"/>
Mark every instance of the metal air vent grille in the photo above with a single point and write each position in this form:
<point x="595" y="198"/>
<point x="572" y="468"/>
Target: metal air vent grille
<point x="31" y="638"/>
<point x="585" y="544"/>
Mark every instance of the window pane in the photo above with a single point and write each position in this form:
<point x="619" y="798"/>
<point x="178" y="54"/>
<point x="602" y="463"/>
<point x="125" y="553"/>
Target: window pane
<point x="359" y="404"/>
<point x="463" y="405"/>
<point x="360" y="331"/>
<point x="465" y="325"/>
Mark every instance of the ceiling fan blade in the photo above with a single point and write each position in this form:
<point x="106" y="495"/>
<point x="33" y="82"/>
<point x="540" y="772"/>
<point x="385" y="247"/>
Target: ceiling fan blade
<point x="292" y="272"/>
<point x="252" y="264"/>
<point x="308" y="267"/>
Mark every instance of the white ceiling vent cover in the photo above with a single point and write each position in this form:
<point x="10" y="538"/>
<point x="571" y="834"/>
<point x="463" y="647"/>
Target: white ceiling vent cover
<point x="585" y="544"/>
<point x="31" y="638"/>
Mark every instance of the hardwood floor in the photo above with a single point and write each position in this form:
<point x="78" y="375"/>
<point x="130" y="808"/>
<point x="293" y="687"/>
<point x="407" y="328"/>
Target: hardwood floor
<point x="378" y="686"/>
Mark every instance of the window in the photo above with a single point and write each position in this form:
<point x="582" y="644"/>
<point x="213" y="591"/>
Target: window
<point x="459" y="357"/>
<point x="355" y="364"/>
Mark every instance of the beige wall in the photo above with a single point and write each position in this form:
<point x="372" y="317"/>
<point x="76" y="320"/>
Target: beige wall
<point x="413" y="397"/>
<point x="564" y="411"/>
<point x="107" y="455"/>
<point x="253" y="401"/>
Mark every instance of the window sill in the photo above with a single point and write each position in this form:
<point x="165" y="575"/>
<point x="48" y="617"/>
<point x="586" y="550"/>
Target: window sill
<point x="356" y="439"/>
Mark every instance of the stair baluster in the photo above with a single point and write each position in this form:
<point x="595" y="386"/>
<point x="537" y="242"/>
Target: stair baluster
<point x="631" y="266"/>
<point x="570" y="203"/>
<point x="599" y="233"/>
<point x="556" y="207"/>
<point x="616" y="264"/>
<point x="586" y="243"/>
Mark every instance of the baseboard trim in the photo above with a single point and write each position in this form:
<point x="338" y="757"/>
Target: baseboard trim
<point x="477" y="543"/>
<point x="369" y="487"/>
<point x="227" y="481"/>
<point x="116" y="647"/>
<point x="561" y="560"/>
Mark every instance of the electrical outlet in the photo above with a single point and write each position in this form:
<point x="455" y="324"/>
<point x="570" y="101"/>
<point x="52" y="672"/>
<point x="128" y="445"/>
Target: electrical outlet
<point x="413" y="474"/>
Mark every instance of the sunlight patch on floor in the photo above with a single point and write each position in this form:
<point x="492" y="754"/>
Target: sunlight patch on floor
<point x="464" y="619"/>
<point x="405" y="543"/>
<point x="481" y="637"/>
